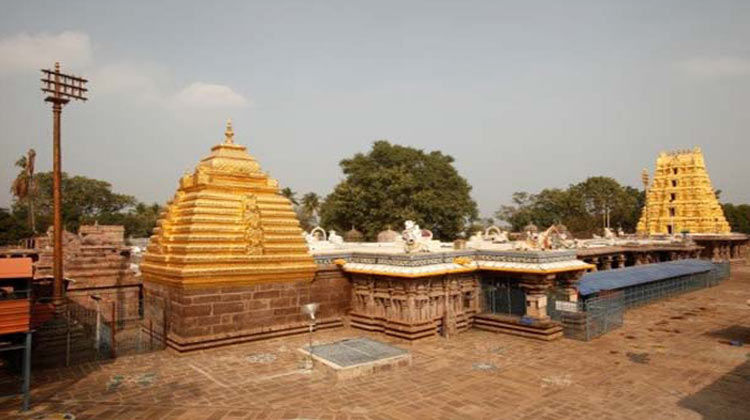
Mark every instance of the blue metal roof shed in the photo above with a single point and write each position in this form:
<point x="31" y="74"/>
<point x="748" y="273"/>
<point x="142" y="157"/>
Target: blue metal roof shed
<point x="624" y="277"/>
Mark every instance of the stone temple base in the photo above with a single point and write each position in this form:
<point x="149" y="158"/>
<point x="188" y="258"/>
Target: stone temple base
<point x="542" y="330"/>
<point x="351" y="358"/>
<point x="202" y="318"/>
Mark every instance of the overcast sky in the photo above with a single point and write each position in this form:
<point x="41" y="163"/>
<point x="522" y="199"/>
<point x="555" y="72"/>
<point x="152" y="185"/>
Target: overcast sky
<point x="525" y="95"/>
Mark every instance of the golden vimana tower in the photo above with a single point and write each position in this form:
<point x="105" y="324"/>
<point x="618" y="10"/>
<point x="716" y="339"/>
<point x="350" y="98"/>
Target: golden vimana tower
<point x="227" y="225"/>
<point x="681" y="197"/>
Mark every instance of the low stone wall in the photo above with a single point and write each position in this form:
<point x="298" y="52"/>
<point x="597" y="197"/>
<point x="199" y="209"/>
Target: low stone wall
<point x="210" y="317"/>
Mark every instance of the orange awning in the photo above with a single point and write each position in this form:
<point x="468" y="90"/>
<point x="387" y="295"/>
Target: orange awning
<point x="15" y="268"/>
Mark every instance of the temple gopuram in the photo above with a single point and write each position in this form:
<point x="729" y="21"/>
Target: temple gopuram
<point x="681" y="198"/>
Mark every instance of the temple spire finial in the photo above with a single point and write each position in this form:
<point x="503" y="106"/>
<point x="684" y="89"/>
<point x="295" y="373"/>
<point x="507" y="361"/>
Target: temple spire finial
<point x="229" y="133"/>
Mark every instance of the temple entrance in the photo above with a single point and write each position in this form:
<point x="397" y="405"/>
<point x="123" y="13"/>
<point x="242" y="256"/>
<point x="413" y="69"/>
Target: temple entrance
<point x="504" y="296"/>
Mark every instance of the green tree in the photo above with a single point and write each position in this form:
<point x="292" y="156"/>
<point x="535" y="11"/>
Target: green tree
<point x="392" y="184"/>
<point x="310" y="209"/>
<point x="84" y="201"/>
<point x="581" y="207"/>
<point x="24" y="187"/>
<point x="12" y="228"/>
<point x="738" y="216"/>
<point x="291" y="195"/>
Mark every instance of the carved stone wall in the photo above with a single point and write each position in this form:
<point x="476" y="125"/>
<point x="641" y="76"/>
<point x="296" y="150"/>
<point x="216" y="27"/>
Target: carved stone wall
<point x="414" y="308"/>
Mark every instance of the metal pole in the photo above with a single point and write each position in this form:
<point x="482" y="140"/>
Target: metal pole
<point x="57" y="291"/>
<point x="26" y="371"/>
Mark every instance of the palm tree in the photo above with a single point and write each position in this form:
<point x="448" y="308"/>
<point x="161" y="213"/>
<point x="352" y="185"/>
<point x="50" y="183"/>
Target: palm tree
<point x="290" y="195"/>
<point x="311" y="206"/>
<point x="24" y="187"/>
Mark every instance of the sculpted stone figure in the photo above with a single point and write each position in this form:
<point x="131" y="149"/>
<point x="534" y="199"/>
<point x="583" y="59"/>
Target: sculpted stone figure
<point x="413" y="240"/>
<point x="608" y="234"/>
<point x="335" y="238"/>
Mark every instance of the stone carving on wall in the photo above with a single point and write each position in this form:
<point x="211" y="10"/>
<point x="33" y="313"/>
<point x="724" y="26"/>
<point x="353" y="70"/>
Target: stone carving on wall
<point x="251" y="223"/>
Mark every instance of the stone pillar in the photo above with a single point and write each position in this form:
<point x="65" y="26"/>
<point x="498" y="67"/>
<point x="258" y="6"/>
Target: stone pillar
<point x="411" y="306"/>
<point x="450" y="328"/>
<point x="638" y="259"/>
<point x="535" y="289"/>
<point x="595" y="263"/>
<point x="536" y="306"/>
<point x="620" y="260"/>
<point x="607" y="262"/>
<point x="571" y="293"/>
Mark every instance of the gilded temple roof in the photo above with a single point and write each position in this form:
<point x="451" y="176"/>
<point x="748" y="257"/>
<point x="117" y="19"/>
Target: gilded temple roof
<point x="681" y="198"/>
<point x="227" y="224"/>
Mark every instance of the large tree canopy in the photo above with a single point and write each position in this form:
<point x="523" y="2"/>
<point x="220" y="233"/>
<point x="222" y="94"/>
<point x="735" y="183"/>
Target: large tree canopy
<point x="738" y="216"/>
<point x="581" y="207"/>
<point x="85" y="201"/>
<point x="392" y="184"/>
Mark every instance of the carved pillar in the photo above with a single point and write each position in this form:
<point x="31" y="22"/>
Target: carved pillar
<point x="449" y="316"/>
<point x="620" y="260"/>
<point x="595" y="263"/>
<point x="411" y="307"/>
<point x="607" y="262"/>
<point x="638" y="259"/>
<point x="476" y="292"/>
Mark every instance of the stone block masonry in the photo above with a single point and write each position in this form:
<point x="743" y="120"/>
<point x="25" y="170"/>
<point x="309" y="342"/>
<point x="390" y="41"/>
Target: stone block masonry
<point x="201" y="318"/>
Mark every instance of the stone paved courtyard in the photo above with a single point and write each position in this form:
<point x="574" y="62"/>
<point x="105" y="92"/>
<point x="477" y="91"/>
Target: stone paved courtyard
<point x="671" y="360"/>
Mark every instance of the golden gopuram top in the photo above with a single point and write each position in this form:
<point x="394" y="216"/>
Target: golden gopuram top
<point x="680" y="198"/>
<point x="227" y="225"/>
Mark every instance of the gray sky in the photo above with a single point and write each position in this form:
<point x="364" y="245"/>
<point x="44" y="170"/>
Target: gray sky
<point x="525" y="95"/>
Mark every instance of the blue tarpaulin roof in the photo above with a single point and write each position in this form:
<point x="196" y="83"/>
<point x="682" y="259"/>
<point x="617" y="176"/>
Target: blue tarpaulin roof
<point x="631" y="276"/>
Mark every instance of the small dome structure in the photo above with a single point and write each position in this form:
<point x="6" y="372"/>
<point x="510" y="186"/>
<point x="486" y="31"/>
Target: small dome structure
<point x="354" y="236"/>
<point x="388" y="235"/>
<point x="531" y="228"/>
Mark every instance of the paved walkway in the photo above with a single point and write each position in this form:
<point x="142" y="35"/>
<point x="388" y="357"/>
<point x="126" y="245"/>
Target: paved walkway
<point x="671" y="360"/>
